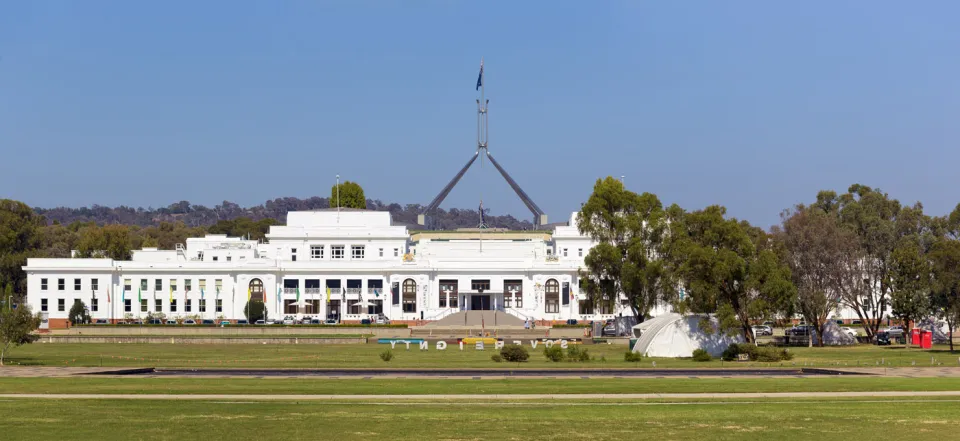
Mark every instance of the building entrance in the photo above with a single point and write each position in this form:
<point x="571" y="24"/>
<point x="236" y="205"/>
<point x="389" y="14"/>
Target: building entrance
<point x="480" y="302"/>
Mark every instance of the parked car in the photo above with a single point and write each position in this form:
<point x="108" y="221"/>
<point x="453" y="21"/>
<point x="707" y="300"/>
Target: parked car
<point x="260" y="322"/>
<point x="883" y="339"/>
<point x="224" y="322"/>
<point x="170" y="322"/>
<point x="288" y="320"/>
<point x="331" y="321"/>
<point x="894" y="331"/>
<point x="155" y="322"/>
<point x="208" y="322"/>
<point x="800" y="330"/>
<point x="315" y="321"/>
<point x="609" y="329"/>
<point x="189" y="322"/>
<point x="382" y="320"/>
<point x="101" y="322"/>
<point x="243" y="322"/>
<point x="856" y="322"/>
<point x="762" y="330"/>
<point x="770" y="323"/>
<point x="850" y="331"/>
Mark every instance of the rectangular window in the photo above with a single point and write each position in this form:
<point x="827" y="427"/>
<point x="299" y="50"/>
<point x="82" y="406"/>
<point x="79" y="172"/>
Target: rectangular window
<point x="173" y="305"/>
<point x="43" y="305"/>
<point x="357" y="251"/>
<point x="580" y="252"/>
<point x="219" y="305"/>
<point x="76" y="285"/>
<point x="61" y="305"/>
<point x="126" y="285"/>
<point x="143" y="305"/>
<point x="293" y="254"/>
<point x="94" y="304"/>
<point x="61" y="284"/>
<point x="396" y="252"/>
<point x="188" y="285"/>
<point x="43" y="284"/>
<point x="188" y="305"/>
<point x="126" y="305"/>
<point x="215" y="258"/>
<point x="381" y="252"/>
<point x="586" y="307"/>
<point x="564" y="252"/>
<point x="203" y="305"/>
<point x="229" y="258"/>
<point x="158" y="305"/>
<point x="173" y="284"/>
<point x="218" y="284"/>
<point x="336" y="251"/>
<point x="290" y="306"/>
<point x="95" y="284"/>
<point x="158" y="285"/>
<point x="143" y="284"/>
<point x="316" y="251"/>
<point x="480" y="285"/>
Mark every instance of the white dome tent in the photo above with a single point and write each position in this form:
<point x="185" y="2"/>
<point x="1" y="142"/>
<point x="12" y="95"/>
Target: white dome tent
<point x="673" y="335"/>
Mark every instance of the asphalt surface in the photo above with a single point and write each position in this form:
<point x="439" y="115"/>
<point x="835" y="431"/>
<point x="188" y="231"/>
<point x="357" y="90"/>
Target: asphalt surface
<point x="478" y="397"/>
<point x="474" y="373"/>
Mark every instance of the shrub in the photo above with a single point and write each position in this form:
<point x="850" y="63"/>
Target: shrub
<point x="386" y="355"/>
<point x="701" y="355"/>
<point x="584" y="355"/>
<point x="553" y="353"/>
<point x="632" y="357"/>
<point x="764" y="354"/>
<point x="573" y="353"/>
<point x="514" y="353"/>
<point x="496" y="357"/>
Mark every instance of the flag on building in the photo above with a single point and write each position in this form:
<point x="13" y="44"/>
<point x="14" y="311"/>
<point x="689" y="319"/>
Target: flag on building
<point x="249" y="293"/>
<point x="480" y="78"/>
<point x="171" y="293"/>
<point x="298" y="293"/>
<point x="201" y="293"/>
<point x="328" y="294"/>
<point x="139" y="296"/>
<point x="123" y="294"/>
<point x="108" y="294"/>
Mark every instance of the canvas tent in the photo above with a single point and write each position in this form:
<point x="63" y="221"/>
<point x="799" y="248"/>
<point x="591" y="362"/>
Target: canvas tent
<point x="674" y="335"/>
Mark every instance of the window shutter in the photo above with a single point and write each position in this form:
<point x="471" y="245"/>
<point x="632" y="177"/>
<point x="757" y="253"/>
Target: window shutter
<point x="395" y="290"/>
<point x="565" y="294"/>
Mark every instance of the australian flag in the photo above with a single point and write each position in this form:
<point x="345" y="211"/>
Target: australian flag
<point x="480" y="78"/>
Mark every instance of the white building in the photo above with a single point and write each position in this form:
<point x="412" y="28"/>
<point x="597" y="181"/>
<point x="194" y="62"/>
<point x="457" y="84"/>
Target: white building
<point x="322" y="264"/>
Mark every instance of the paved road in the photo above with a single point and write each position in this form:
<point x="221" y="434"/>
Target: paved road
<point x="478" y="397"/>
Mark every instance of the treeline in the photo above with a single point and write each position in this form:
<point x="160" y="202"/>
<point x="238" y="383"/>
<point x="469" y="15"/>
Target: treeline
<point x="192" y="215"/>
<point x="860" y="250"/>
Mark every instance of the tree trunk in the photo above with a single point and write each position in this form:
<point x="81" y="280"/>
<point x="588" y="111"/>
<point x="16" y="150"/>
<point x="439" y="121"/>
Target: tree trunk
<point x="950" y="337"/>
<point x="820" y="326"/>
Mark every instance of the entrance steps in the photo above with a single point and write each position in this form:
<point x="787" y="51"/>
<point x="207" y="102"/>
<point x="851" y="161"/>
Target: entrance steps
<point x="477" y="319"/>
<point x="462" y="332"/>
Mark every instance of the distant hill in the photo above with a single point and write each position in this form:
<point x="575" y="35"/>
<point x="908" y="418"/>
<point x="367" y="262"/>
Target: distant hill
<point x="202" y="216"/>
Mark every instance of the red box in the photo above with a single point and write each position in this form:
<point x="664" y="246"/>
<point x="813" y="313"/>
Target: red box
<point x="915" y="336"/>
<point x="926" y="340"/>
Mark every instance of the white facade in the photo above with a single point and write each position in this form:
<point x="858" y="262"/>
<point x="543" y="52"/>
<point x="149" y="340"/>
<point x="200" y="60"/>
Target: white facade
<point x="325" y="263"/>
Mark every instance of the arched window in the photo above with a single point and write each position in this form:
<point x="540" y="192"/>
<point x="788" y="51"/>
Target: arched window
<point x="409" y="296"/>
<point x="256" y="290"/>
<point x="552" y="289"/>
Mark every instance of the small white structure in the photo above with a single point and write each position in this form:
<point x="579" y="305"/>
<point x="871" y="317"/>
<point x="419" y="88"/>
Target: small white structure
<point x="674" y="335"/>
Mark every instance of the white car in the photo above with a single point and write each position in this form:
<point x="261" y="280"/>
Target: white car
<point x="850" y="331"/>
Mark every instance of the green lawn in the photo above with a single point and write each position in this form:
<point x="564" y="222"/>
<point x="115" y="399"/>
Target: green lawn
<point x="366" y="356"/>
<point x="265" y="421"/>
<point x="379" y="386"/>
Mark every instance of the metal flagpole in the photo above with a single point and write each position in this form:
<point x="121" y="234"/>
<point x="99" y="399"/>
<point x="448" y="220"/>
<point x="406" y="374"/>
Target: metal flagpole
<point x="338" y="198"/>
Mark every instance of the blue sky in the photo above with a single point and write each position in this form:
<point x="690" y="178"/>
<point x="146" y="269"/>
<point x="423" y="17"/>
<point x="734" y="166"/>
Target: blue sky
<point x="755" y="105"/>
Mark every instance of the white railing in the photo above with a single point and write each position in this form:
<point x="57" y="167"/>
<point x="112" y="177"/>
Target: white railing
<point x="311" y="291"/>
<point x="442" y="314"/>
<point x="290" y="290"/>
<point x="335" y="291"/>
<point x="373" y="291"/>
<point x="354" y="291"/>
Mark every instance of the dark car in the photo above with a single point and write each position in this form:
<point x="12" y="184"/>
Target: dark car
<point x="208" y="322"/>
<point x="242" y="322"/>
<point x="800" y="330"/>
<point x="609" y="329"/>
<point x="883" y="339"/>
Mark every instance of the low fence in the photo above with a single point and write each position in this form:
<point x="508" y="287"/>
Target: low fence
<point x="228" y="331"/>
<point x="203" y="340"/>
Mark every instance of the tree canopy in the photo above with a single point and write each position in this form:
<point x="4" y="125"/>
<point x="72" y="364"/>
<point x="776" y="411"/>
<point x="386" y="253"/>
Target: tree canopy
<point x="350" y="194"/>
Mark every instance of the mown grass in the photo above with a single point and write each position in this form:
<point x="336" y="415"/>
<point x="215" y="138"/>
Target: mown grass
<point x="266" y="421"/>
<point x="419" y="386"/>
<point x="366" y="356"/>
